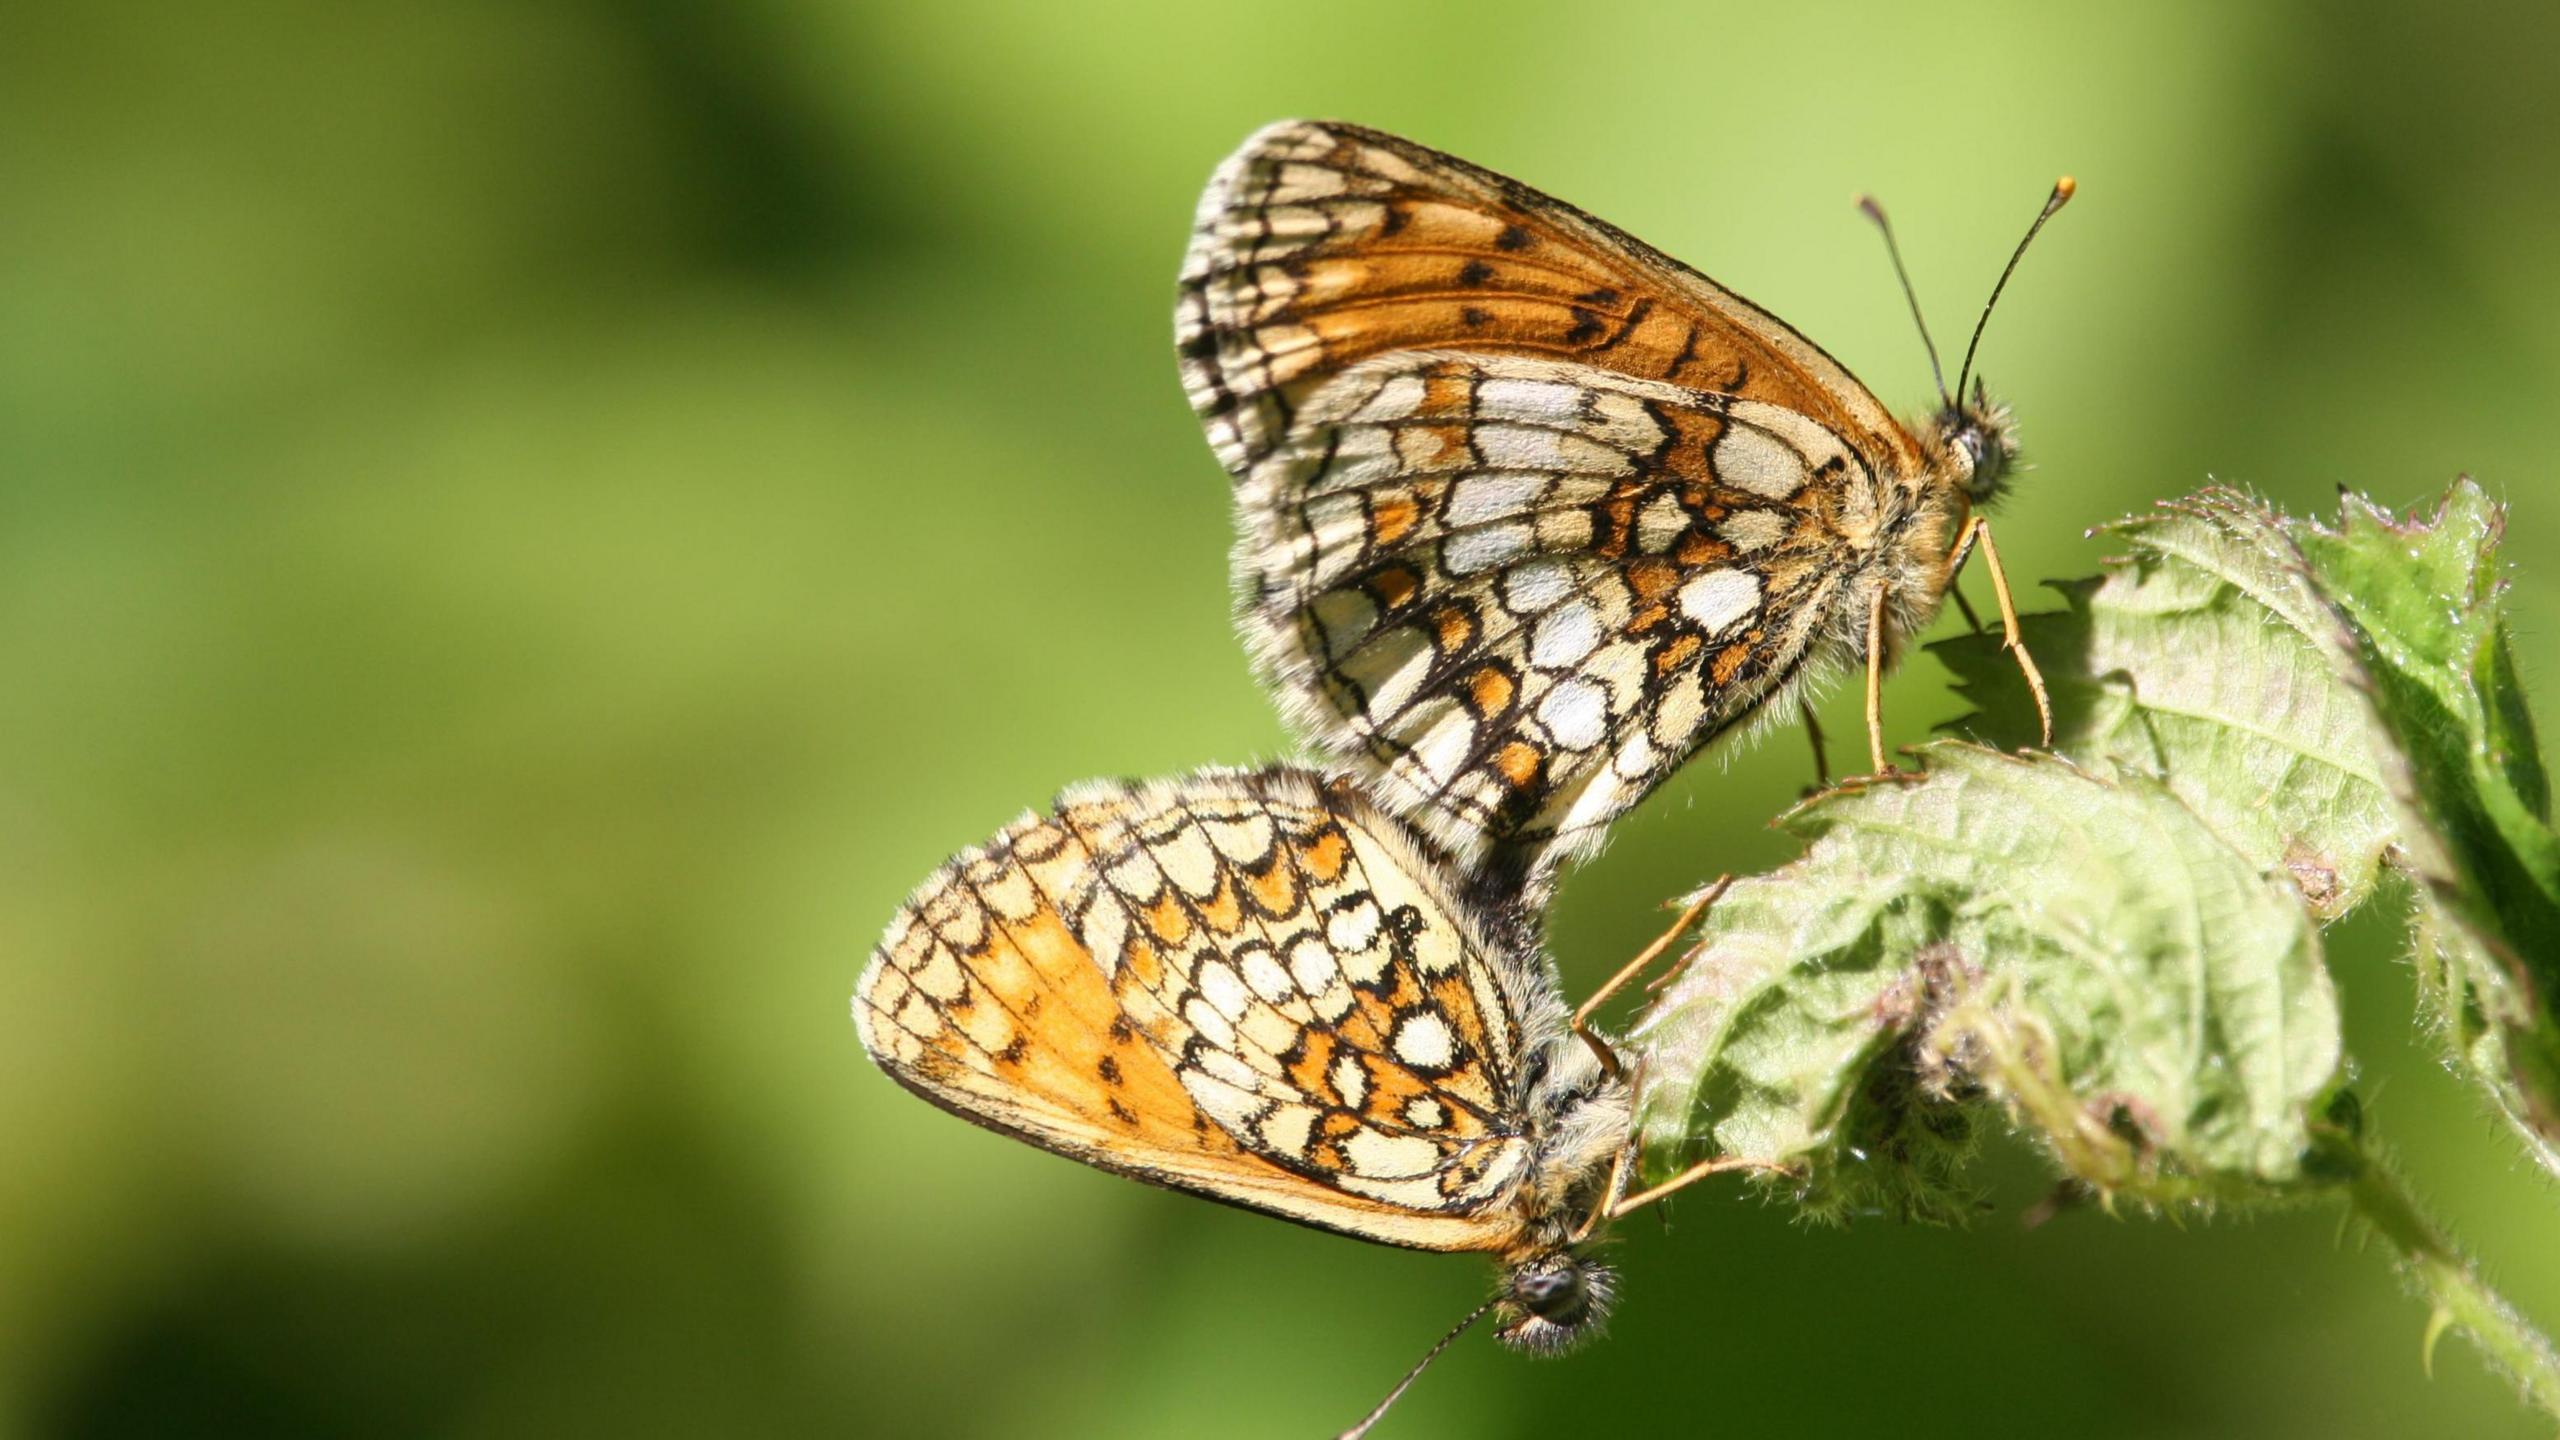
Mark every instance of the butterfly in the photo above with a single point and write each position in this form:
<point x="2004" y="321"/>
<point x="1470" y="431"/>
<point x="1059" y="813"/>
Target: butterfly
<point x="1529" y="511"/>
<point x="1262" y="988"/>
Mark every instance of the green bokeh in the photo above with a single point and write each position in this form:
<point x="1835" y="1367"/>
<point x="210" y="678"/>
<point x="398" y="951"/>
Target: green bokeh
<point x="525" y="528"/>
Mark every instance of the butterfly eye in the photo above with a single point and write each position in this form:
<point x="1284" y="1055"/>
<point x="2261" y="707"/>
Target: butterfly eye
<point x="1979" y="433"/>
<point x="1555" y="1295"/>
<point x="1977" y="451"/>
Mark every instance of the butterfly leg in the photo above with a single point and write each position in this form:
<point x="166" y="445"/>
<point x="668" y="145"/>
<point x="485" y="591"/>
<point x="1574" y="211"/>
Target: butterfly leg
<point x="1692" y="1176"/>
<point x="1629" y="971"/>
<point x="1955" y="566"/>
<point x="1875" y="686"/>
<point x="1979" y="529"/>
<point x="1956" y="557"/>
<point x="1813" y="732"/>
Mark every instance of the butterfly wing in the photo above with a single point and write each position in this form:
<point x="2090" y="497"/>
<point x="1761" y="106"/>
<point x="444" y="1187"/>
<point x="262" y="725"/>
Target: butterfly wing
<point x="1530" y="510"/>
<point x="1254" y="987"/>
<point x="1525" y="593"/>
<point x="1320" y="244"/>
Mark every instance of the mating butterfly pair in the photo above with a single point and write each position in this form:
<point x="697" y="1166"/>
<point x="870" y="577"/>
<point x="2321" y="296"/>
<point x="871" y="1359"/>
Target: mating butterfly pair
<point x="1530" y="513"/>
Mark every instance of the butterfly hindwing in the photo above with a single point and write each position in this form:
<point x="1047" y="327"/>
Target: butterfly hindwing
<point x="1252" y="986"/>
<point x="1522" y="593"/>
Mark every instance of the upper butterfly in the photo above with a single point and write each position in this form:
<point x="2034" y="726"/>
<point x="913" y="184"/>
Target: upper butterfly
<point x="1531" y="511"/>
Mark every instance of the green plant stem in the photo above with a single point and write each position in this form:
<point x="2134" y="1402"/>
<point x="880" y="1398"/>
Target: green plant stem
<point x="2461" y="1297"/>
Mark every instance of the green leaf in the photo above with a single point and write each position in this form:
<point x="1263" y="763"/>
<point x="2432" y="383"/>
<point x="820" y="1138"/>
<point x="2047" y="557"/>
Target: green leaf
<point x="2422" y="599"/>
<point x="2320" y="695"/>
<point x="2205" y="657"/>
<point x="2086" y="952"/>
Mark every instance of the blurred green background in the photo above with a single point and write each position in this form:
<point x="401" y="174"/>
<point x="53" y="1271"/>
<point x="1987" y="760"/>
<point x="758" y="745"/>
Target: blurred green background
<point x="526" y="528"/>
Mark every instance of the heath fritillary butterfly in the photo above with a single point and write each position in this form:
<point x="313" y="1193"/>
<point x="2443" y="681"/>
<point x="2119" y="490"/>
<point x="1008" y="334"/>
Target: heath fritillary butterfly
<point x="1531" y="512"/>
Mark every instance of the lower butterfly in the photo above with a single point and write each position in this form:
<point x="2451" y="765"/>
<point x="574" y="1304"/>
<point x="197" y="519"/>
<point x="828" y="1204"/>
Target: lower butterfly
<point x="1261" y="988"/>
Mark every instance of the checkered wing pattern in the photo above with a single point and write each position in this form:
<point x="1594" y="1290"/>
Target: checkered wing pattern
<point x="1252" y="986"/>
<point x="1530" y="511"/>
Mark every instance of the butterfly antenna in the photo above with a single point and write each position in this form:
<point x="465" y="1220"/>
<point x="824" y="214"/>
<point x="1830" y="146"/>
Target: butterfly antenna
<point x="1875" y="212"/>
<point x="2063" y="190"/>
<point x="1374" y="1416"/>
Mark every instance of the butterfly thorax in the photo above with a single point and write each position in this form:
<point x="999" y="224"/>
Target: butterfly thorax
<point x="1966" y="453"/>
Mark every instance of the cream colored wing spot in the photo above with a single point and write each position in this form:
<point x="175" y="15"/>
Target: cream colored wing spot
<point x="1536" y="587"/>
<point x="1350" y="1080"/>
<point x="1564" y="636"/>
<point x="1375" y="1155"/>
<point x="1479" y="499"/>
<point x="1478" y="549"/>
<point x="1752" y="531"/>
<point x="1223" y="988"/>
<point x="1752" y="459"/>
<point x="1422" y="1040"/>
<point x="1576" y="714"/>
<point x="1717" y="600"/>
<point x="1817" y="447"/>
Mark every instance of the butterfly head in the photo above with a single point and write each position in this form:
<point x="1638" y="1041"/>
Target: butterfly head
<point x="1971" y="432"/>
<point x="1554" y="1301"/>
<point x="1980" y="443"/>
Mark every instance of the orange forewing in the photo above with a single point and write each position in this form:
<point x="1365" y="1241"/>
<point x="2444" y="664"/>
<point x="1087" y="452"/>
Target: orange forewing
<point x="1325" y="243"/>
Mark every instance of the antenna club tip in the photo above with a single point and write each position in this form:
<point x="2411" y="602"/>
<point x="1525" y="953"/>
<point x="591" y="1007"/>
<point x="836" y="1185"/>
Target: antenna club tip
<point x="2064" y="189"/>
<point x="1869" y="206"/>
